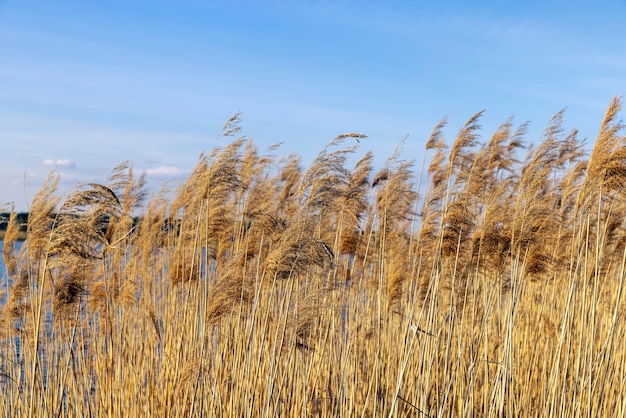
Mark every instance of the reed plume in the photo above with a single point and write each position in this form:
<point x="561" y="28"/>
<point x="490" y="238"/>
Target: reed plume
<point x="232" y="289"/>
<point x="606" y="170"/>
<point x="395" y="200"/>
<point x="287" y="180"/>
<point x="297" y="252"/>
<point x="353" y="206"/>
<point x="41" y="218"/>
<point x="489" y="193"/>
<point x="535" y="218"/>
<point x="322" y="184"/>
<point x="599" y="204"/>
<point x="432" y="203"/>
<point x="204" y="202"/>
<point x="8" y="246"/>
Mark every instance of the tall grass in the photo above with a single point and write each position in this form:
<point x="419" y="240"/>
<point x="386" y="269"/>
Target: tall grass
<point x="263" y="288"/>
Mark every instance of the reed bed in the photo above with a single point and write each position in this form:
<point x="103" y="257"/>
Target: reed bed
<point x="489" y="285"/>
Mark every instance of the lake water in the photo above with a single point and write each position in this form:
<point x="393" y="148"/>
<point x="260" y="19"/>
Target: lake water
<point x="3" y="272"/>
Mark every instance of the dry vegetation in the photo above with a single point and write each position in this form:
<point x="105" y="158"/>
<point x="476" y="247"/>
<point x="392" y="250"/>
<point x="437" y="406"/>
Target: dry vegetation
<point x="267" y="289"/>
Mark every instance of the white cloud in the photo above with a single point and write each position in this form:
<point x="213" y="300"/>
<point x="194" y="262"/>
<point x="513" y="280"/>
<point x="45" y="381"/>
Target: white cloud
<point x="164" y="170"/>
<point x="62" y="162"/>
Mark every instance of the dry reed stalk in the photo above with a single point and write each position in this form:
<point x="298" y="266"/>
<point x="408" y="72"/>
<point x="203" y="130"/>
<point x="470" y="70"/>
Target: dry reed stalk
<point x="261" y="334"/>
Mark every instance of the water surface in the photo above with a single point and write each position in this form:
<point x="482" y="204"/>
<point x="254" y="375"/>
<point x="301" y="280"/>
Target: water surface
<point x="3" y="272"/>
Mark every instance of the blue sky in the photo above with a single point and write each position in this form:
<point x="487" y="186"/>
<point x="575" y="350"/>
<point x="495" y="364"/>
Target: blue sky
<point x="86" y="85"/>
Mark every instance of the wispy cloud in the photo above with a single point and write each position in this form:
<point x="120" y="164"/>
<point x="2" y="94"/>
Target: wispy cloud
<point x="164" y="170"/>
<point x="61" y="163"/>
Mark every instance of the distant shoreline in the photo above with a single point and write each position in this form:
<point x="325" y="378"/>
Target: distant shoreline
<point x="22" y="221"/>
<point x="21" y="235"/>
